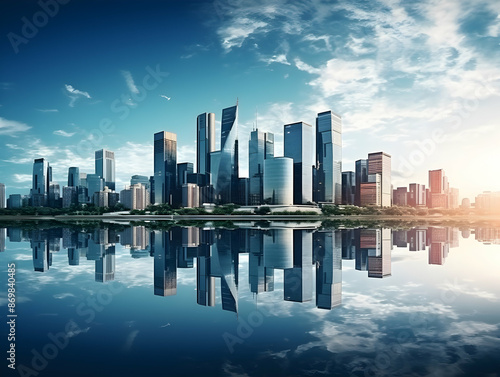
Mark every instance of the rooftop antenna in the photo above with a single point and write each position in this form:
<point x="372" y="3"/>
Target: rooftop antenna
<point x="256" y="119"/>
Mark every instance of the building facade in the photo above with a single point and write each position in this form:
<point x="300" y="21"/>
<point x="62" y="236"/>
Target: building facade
<point x="416" y="195"/>
<point x="361" y="177"/>
<point x="226" y="184"/>
<point x="299" y="146"/>
<point x="328" y="174"/>
<point x="400" y="197"/>
<point x="73" y="177"/>
<point x="42" y="176"/>
<point x="2" y="196"/>
<point x="105" y="167"/>
<point x="260" y="148"/>
<point x="380" y="163"/>
<point x="205" y="141"/>
<point x="135" y="197"/>
<point x="348" y="187"/>
<point x="370" y="192"/>
<point x="165" y="166"/>
<point x="278" y="175"/>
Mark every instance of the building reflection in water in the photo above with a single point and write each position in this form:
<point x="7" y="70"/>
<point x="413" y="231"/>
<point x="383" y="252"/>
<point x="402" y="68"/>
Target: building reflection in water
<point x="310" y="258"/>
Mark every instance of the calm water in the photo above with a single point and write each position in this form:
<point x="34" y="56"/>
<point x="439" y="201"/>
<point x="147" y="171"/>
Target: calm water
<point x="278" y="301"/>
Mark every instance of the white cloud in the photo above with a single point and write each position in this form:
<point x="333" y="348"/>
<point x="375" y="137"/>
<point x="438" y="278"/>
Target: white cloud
<point x="12" y="127"/>
<point x="186" y="153"/>
<point x="130" y="82"/>
<point x="63" y="133"/>
<point x="235" y="34"/>
<point x="21" y="178"/>
<point x="48" y="110"/>
<point x="164" y="96"/>
<point x="281" y="58"/>
<point x="74" y="94"/>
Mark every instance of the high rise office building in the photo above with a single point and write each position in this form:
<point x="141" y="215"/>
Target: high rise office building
<point x="260" y="148"/>
<point x="54" y="195"/>
<point x="380" y="163"/>
<point x="438" y="189"/>
<point x="105" y="167"/>
<point x="141" y="179"/>
<point x="73" y="177"/>
<point x="205" y="141"/>
<point x="2" y="195"/>
<point x="400" y="196"/>
<point x="165" y="167"/>
<point x="299" y="145"/>
<point x="95" y="183"/>
<point x="436" y="180"/>
<point x="183" y="169"/>
<point x="416" y="195"/>
<point x="348" y="187"/>
<point x="278" y="176"/>
<point x="42" y="176"/>
<point x="328" y="173"/>
<point x="361" y="177"/>
<point x="227" y="174"/>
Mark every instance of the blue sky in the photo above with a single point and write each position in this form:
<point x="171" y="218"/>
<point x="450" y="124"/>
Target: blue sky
<point x="420" y="81"/>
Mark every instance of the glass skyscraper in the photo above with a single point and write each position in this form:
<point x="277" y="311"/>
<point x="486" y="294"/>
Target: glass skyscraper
<point x="205" y="141"/>
<point x="2" y="195"/>
<point x="299" y="145"/>
<point x="260" y="148"/>
<point x="361" y="177"/>
<point x="165" y="166"/>
<point x="95" y="183"/>
<point x="227" y="175"/>
<point x="328" y="175"/>
<point x="105" y="167"/>
<point x="42" y="176"/>
<point x="380" y="163"/>
<point x="348" y="187"/>
<point x="278" y="176"/>
<point x="73" y="177"/>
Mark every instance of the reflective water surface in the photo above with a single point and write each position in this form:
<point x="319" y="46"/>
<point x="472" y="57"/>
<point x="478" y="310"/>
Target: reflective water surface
<point x="284" y="300"/>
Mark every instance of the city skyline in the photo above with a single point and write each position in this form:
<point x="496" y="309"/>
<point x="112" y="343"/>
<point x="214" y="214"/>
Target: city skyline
<point x="422" y="87"/>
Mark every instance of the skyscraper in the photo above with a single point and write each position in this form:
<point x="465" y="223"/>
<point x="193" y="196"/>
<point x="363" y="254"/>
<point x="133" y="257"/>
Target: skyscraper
<point x="260" y="148"/>
<point x="205" y="141"/>
<point x="380" y="163"/>
<point x="227" y="176"/>
<point x="299" y="145"/>
<point x="278" y="176"/>
<point x="183" y="169"/>
<point x="73" y="177"/>
<point x="165" y="166"/>
<point x="361" y="177"/>
<point x="438" y="189"/>
<point x="141" y="179"/>
<point x="328" y="174"/>
<point x="42" y="176"/>
<point x="416" y="195"/>
<point x="95" y="183"/>
<point x="105" y="167"/>
<point x="348" y="187"/>
<point x="2" y="195"/>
